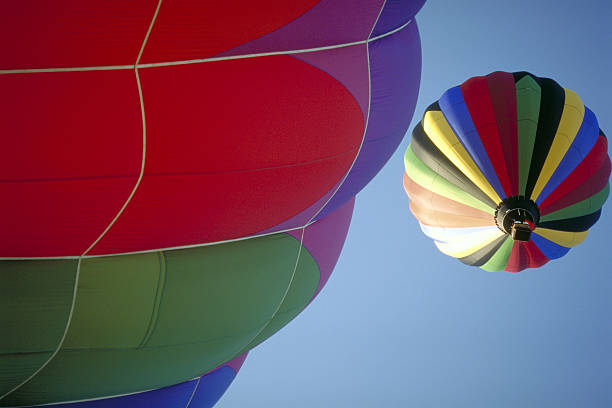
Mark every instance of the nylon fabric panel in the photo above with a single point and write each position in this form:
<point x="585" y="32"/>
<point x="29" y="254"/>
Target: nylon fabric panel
<point x="552" y="100"/>
<point x="528" y="98"/>
<point x="328" y="23"/>
<point x="427" y="216"/>
<point x="458" y="117"/>
<point x="584" y="207"/>
<point x="569" y="124"/>
<point x="117" y="301"/>
<point x="186" y="30"/>
<point x="470" y="243"/>
<point x="395" y="73"/>
<point x="479" y="113"/>
<point x="59" y="143"/>
<point x="499" y="260"/>
<point x="591" y="186"/>
<point x="202" y="392"/>
<point x="588" y="178"/>
<point x="438" y="130"/>
<point x="447" y="234"/>
<point x="577" y="224"/>
<point x="580" y="147"/>
<point x="325" y="238"/>
<point x="550" y="249"/>
<point x="348" y="66"/>
<point x="214" y="301"/>
<point x="212" y="387"/>
<point x="301" y="290"/>
<point x="298" y="132"/>
<point x="174" y="396"/>
<point x="433" y="203"/>
<point x="485" y="253"/>
<point x="79" y="34"/>
<point x="432" y="157"/>
<point x="35" y="301"/>
<point x="566" y="239"/>
<point x="503" y="92"/>
<point x="428" y="179"/>
<point x="394" y="14"/>
<point x="525" y="255"/>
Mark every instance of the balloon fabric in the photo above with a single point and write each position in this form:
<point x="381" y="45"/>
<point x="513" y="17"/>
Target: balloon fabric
<point x="507" y="171"/>
<point x="178" y="179"/>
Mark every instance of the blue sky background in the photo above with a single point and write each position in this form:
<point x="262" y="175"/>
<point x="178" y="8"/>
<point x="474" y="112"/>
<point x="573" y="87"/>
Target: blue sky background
<point x="400" y="324"/>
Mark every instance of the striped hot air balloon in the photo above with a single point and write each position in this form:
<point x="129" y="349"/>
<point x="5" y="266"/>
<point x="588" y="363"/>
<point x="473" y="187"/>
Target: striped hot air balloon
<point x="507" y="171"/>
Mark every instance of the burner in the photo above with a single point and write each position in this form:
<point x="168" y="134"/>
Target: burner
<point x="517" y="216"/>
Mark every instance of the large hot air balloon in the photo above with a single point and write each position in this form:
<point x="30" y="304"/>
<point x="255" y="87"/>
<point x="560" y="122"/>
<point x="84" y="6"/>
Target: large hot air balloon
<point x="507" y="171"/>
<point x="178" y="177"/>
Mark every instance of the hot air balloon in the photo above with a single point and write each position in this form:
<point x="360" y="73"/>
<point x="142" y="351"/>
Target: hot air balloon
<point x="507" y="171"/>
<point x="178" y="177"/>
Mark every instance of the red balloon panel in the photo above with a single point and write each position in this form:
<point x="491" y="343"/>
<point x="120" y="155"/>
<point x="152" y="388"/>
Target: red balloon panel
<point x="233" y="148"/>
<point x="71" y="156"/>
<point x="68" y="33"/>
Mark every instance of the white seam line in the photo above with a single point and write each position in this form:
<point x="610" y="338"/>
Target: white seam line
<point x="142" y="166"/>
<point x="297" y="261"/>
<point x="365" y="130"/>
<point x="312" y="219"/>
<point x="194" y="392"/>
<point x="146" y="251"/>
<point x="76" y="279"/>
<point x="144" y="135"/>
<point x="144" y="42"/>
<point x="50" y="404"/>
<point x="61" y="342"/>
<point x="201" y="60"/>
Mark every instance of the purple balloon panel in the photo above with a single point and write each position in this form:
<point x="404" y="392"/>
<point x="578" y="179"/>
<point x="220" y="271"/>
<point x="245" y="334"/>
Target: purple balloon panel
<point x="330" y="22"/>
<point x="348" y="65"/>
<point x="395" y="14"/>
<point x="395" y="72"/>
<point x="303" y="217"/>
<point x="326" y="252"/>
<point x="324" y="240"/>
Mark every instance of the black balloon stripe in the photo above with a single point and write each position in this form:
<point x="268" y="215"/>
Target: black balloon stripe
<point x="485" y="253"/>
<point x="576" y="224"/>
<point x="429" y="154"/>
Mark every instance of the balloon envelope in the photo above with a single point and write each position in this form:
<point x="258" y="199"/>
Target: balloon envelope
<point x="201" y="392"/>
<point x="507" y="171"/>
<point x="179" y="177"/>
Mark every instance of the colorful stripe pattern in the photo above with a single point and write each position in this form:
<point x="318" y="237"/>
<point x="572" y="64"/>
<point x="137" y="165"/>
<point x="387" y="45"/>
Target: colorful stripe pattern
<point x="501" y="138"/>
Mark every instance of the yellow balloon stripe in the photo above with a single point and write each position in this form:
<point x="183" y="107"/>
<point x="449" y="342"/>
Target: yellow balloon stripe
<point x="439" y="131"/>
<point x="469" y="243"/>
<point x="571" y="119"/>
<point x="566" y="239"/>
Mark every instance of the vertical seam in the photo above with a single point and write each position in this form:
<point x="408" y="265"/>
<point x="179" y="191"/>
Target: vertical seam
<point x="59" y="346"/>
<point x="144" y="134"/>
<point x="365" y="130"/>
<point x="194" y="392"/>
<point x="159" y="293"/>
<point x="80" y="259"/>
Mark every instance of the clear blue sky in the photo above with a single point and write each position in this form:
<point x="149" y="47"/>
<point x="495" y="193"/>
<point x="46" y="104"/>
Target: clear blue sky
<point x="401" y="325"/>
